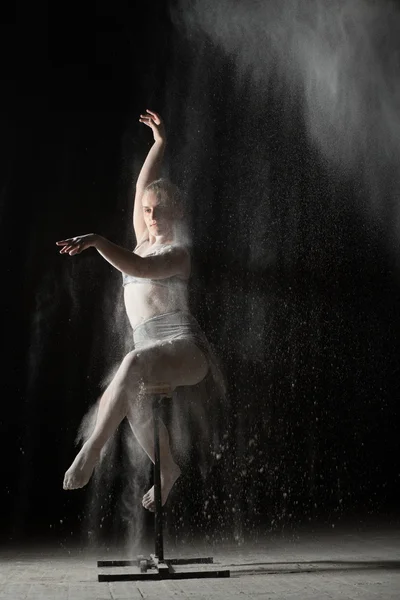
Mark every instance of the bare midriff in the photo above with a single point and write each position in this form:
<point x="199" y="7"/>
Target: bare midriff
<point x="146" y="300"/>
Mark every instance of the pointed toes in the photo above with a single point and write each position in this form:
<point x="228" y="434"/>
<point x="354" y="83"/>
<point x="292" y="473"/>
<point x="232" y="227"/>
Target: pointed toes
<point x="148" y="504"/>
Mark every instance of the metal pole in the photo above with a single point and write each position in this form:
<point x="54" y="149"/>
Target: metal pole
<point x="158" y="524"/>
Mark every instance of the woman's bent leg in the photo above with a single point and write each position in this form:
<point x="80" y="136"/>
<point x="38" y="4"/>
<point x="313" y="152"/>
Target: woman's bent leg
<point x="178" y="363"/>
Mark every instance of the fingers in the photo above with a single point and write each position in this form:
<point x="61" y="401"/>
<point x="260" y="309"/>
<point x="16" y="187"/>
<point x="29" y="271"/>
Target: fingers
<point x="154" y="115"/>
<point x="65" y="249"/>
<point x="150" y="118"/>
<point x="71" y="246"/>
<point x="146" y="121"/>
<point x="71" y="250"/>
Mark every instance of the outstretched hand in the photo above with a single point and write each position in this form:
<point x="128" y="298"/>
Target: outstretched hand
<point x="154" y="121"/>
<point x="77" y="244"/>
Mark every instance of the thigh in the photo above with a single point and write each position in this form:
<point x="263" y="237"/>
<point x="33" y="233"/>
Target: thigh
<point x="178" y="362"/>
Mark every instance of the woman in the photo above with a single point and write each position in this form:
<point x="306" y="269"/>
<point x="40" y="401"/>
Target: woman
<point x="169" y="345"/>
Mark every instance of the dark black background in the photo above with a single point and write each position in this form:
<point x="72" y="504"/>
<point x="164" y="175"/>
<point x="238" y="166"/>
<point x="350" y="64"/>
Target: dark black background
<point x="297" y="290"/>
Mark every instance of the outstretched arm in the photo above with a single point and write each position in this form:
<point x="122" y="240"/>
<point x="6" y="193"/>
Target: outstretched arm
<point x="174" y="262"/>
<point x="150" y="171"/>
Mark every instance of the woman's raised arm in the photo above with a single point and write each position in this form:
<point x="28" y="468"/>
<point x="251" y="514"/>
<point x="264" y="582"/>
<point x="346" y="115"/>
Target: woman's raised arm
<point x="150" y="171"/>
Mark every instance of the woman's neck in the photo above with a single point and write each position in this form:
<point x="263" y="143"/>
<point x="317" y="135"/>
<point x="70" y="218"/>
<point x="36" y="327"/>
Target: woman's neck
<point x="160" y="240"/>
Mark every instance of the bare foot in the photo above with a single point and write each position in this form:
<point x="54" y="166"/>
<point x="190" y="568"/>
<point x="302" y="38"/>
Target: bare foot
<point x="168" y="479"/>
<point x="81" y="469"/>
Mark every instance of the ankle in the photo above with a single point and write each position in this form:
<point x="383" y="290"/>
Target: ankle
<point x="170" y="470"/>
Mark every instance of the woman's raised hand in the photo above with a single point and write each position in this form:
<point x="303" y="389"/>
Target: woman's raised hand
<point x="77" y="244"/>
<point x="154" y="121"/>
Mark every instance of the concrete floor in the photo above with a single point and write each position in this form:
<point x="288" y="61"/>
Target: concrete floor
<point x="352" y="562"/>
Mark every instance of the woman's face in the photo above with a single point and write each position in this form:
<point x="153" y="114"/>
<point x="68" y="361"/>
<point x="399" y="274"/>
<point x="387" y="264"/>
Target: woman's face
<point x="158" y="215"/>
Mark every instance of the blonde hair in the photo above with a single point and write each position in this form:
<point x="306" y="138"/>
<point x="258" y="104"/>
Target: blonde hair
<point x="165" y="191"/>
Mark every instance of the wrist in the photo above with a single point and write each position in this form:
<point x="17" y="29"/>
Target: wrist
<point x="97" y="241"/>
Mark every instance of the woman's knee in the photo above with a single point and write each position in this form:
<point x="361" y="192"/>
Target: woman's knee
<point x="141" y="366"/>
<point x="130" y="367"/>
<point x="147" y="361"/>
<point x="138" y="367"/>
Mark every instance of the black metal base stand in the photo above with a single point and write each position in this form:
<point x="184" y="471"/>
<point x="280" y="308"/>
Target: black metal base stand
<point x="154" y="569"/>
<point x="156" y="566"/>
